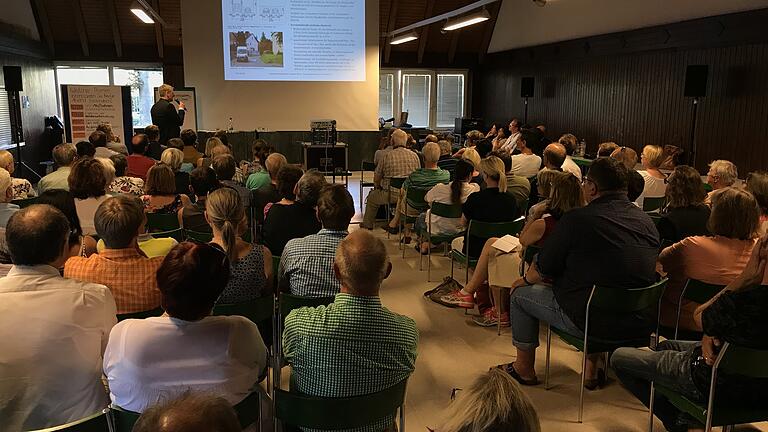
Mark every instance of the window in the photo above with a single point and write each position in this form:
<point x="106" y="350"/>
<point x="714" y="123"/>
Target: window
<point x="5" y="119"/>
<point x="142" y="79"/>
<point x="432" y="99"/>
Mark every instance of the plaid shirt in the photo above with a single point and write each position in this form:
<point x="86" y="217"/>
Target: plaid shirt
<point x="399" y="162"/>
<point x="306" y="266"/>
<point x="128" y="275"/>
<point x="352" y="347"/>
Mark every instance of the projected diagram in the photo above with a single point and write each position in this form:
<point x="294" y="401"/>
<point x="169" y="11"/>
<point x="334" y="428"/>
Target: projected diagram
<point x="257" y="49"/>
<point x="245" y="10"/>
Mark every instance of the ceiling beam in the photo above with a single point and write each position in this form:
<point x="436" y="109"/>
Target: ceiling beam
<point x="112" y="15"/>
<point x="454" y="44"/>
<point x="390" y="26"/>
<point x="425" y="31"/>
<point x="43" y="26"/>
<point x="488" y="32"/>
<point x="159" y="31"/>
<point x="80" y="24"/>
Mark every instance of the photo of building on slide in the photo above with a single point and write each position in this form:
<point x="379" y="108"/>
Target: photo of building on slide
<point x="257" y="49"/>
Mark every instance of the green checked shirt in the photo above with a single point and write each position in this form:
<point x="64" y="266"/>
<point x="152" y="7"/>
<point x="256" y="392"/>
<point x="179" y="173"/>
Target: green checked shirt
<point x="352" y="347"/>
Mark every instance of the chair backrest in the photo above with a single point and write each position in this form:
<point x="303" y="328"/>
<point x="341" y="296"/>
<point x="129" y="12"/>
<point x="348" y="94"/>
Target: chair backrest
<point x="743" y="361"/>
<point x="446" y="210"/>
<point x="162" y="221"/>
<point x="627" y="300"/>
<point x="415" y="197"/>
<point x="123" y="420"/>
<point x="487" y="230"/>
<point x="396" y="182"/>
<point x="176" y="234"/>
<point x="367" y="166"/>
<point x="94" y="423"/>
<point x="338" y="413"/>
<point x="202" y="237"/>
<point x="651" y="204"/>
<point x="25" y="202"/>
<point x="700" y="292"/>
<point x="248" y="409"/>
<point x="258" y="310"/>
<point x="156" y="312"/>
<point x="289" y="302"/>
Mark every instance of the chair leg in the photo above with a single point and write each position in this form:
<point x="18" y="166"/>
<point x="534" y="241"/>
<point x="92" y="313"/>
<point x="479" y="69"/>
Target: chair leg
<point x="402" y="417"/>
<point x="429" y="261"/>
<point x="583" y="378"/>
<point x="650" y="407"/>
<point x="546" y="367"/>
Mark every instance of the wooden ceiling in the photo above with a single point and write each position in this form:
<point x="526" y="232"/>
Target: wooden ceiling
<point x="106" y="30"/>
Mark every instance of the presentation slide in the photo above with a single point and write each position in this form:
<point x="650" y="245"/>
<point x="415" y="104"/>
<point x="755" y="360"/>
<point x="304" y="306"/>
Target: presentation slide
<point x="293" y="40"/>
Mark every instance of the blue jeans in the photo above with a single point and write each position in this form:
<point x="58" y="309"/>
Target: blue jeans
<point x="670" y="366"/>
<point x="531" y="304"/>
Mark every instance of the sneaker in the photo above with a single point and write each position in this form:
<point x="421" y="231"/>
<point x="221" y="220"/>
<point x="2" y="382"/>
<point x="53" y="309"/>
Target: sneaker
<point x="490" y="318"/>
<point x="458" y="299"/>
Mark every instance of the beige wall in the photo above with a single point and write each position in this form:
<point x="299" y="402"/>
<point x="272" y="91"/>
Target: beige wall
<point x="273" y="105"/>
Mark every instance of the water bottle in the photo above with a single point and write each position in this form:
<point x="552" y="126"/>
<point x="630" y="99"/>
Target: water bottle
<point x="231" y="125"/>
<point x="582" y="149"/>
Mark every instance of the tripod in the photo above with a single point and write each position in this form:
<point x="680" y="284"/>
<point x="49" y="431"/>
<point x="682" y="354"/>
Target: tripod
<point x="17" y="130"/>
<point x="692" y="158"/>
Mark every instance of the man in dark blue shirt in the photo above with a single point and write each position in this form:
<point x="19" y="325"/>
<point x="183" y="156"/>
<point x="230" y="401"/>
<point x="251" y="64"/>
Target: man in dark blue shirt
<point x="610" y="243"/>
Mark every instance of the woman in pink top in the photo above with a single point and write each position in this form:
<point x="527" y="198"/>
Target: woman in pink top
<point x="715" y="259"/>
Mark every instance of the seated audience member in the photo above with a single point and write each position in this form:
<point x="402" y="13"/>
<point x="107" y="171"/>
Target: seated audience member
<point x="510" y="145"/>
<point x="385" y="146"/>
<point x="609" y="243"/>
<point x="154" y="148"/>
<point x="174" y="159"/>
<point x="120" y="266"/>
<point x="224" y="150"/>
<point x="635" y="185"/>
<point x="721" y="174"/>
<point x="339" y="350"/>
<point x="635" y="182"/>
<point x="757" y="185"/>
<point x="160" y="191"/>
<point x="138" y="162"/>
<point x="64" y="156"/>
<point x="186" y="349"/>
<point x="207" y="158"/>
<point x="191" y="155"/>
<point x="22" y="188"/>
<point x="655" y="181"/>
<point x="259" y="175"/>
<point x="99" y="141"/>
<point x="79" y="244"/>
<point x="493" y="403"/>
<point x="627" y="156"/>
<point x="736" y="315"/>
<point x="7" y="209"/>
<point x="178" y="144"/>
<point x="715" y="259"/>
<point x="455" y="193"/>
<point x="189" y="412"/>
<point x="471" y="139"/>
<point x="113" y="141"/>
<point x="543" y="141"/>
<point x="250" y="266"/>
<point x="421" y="178"/>
<point x="293" y="218"/>
<point x="569" y="142"/>
<point x="124" y="183"/>
<point x="446" y="161"/>
<point x="544" y="180"/>
<point x="498" y="139"/>
<point x="225" y="166"/>
<point x="484" y="147"/>
<point x="400" y="162"/>
<point x="517" y="185"/>
<point x="498" y="269"/>
<point x="306" y="265"/>
<point x="85" y="149"/>
<point x="109" y="170"/>
<point x="491" y="204"/>
<point x="202" y="181"/>
<point x="268" y="193"/>
<point x="554" y="157"/>
<point x="525" y="164"/>
<point x="221" y="134"/>
<point x="685" y="214"/>
<point x="473" y="157"/>
<point x="53" y="329"/>
<point x="606" y="149"/>
<point x="88" y="185"/>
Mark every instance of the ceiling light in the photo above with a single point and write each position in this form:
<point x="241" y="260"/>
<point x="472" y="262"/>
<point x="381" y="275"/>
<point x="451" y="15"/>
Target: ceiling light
<point x="403" y="38"/>
<point x="467" y="20"/>
<point x="141" y="13"/>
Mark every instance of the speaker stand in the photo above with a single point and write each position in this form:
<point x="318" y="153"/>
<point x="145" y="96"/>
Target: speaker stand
<point x="525" y="117"/>
<point x="17" y="130"/>
<point x="692" y="158"/>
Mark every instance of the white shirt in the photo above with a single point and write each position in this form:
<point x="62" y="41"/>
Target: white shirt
<point x="154" y="359"/>
<point x="526" y="165"/>
<point x="86" y="210"/>
<point x="53" y="332"/>
<point x="442" y="193"/>
<point x="511" y="143"/>
<point x="654" y="188"/>
<point x="570" y="166"/>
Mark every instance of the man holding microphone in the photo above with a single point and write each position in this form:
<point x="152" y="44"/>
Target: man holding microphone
<point x="165" y="115"/>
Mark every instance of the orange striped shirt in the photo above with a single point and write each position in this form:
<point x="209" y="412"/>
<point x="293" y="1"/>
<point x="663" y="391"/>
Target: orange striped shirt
<point x="129" y="275"/>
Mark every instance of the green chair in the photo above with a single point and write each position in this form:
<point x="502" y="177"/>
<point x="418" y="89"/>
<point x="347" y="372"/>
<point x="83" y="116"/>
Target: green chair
<point x="340" y="413"/>
<point x="25" y="202"/>
<point x="258" y="310"/>
<point x="199" y="236"/>
<point x="98" y="422"/>
<point x="623" y="301"/>
<point x="732" y="359"/>
<point x="162" y="222"/>
<point x="156" y="312"/>
<point x="653" y="203"/>
<point x="394" y="183"/>
<point x="452" y="211"/>
<point x="122" y="420"/>
<point x="365" y="166"/>
<point x="698" y="292"/>
<point x="414" y="199"/>
<point x="176" y="234"/>
<point x="484" y="230"/>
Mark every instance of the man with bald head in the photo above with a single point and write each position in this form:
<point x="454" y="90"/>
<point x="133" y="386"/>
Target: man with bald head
<point x="554" y="156"/>
<point x="354" y="346"/>
<point x="54" y="330"/>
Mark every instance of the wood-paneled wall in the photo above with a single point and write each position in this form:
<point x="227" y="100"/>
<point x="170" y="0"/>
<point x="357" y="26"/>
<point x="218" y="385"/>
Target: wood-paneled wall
<point x="636" y="98"/>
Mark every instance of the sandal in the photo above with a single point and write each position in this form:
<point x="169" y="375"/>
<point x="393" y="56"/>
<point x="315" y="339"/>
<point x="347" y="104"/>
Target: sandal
<point x="509" y="368"/>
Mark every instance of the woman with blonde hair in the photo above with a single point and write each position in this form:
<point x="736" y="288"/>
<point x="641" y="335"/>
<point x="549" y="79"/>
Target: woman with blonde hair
<point x="495" y="402"/>
<point x="250" y="265"/>
<point x="207" y="158"/>
<point x="655" y="181"/>
<point x="160" y="191"/>
<point x="22" y="188"/>
<point x="174" y="158"/>
<point x="472" y="156"/>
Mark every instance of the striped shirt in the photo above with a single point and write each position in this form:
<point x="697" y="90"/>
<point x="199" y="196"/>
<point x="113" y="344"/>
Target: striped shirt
<point x="399" y="162"/>
<point x="306" y="266"/>
<point x="130" y="277"/>
<point x="352" y="347"/>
